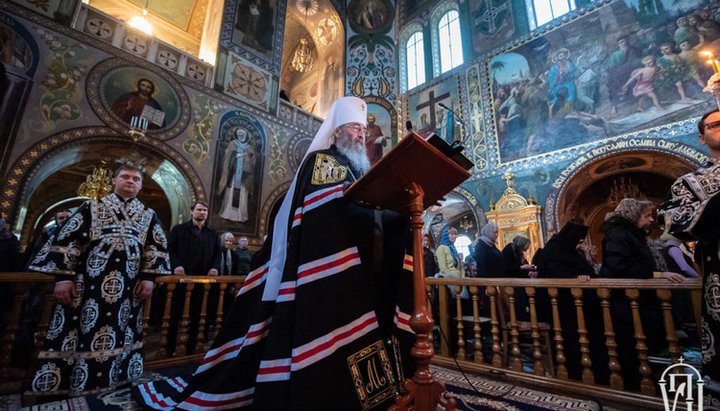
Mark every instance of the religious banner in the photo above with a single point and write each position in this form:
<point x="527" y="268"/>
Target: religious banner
<point x="622" y="67"/>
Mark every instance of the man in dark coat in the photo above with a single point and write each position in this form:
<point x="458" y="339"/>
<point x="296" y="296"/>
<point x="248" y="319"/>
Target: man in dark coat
<point x="194" y="250"/>
<point x="693" y="213"/>
<point x="314" y="327"/>
<point x="245" y="256"/>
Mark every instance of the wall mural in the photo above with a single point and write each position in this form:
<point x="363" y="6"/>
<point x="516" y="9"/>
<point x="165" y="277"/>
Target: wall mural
<point x="428" y="117"/>
<point x="492" y="23"/>
<point x="381" y="126"/>
<point x="238" y="172"/>
<point x="118" y="91"/>
<point x="623" y="67"/>
<point x="61" y="11"/>
<point x="370" y="68"/>
<point x="247" y="82"/>
<point x="253" y="29"/>
<point x="206" y="112"/>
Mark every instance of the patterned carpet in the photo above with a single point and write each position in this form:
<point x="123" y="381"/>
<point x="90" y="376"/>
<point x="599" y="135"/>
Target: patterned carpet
<point x="494" y="395"/>
<point x="499" y="395"/>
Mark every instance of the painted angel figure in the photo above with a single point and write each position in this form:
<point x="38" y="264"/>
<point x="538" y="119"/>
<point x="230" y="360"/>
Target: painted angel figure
<point x="238" y="157"/>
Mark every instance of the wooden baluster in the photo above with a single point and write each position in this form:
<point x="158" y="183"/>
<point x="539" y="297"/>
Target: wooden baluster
<point x="538" y="366"/>
<point x="587" y="375"/>
<point x="646" y="383"/>
<point x="515" y="354"/>
<point x="665" y="296"/>
<point x="476" y="324"/>
<point x="18" y="292"/>
<point x="562" y="372"/>
<point x="220" y="307"/>
<point x="616" y="380"/>
<point x="460" y="328"/>
<point x="200" y="340"/>
<point x="444" y="320"/>
<point x="497" y="359"/>
<point x="169" y="292"/>
<point x="428" y="293"/>
<point x="182" y="337"/>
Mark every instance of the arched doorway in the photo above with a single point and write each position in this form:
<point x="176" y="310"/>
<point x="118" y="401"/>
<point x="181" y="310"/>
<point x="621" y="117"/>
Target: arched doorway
<point x="458" y="211"/>
<point x="595" y="190"/>
<point x="50" y="184"/>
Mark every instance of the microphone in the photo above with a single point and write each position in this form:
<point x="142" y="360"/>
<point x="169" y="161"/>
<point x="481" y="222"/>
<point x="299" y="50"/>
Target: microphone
<point x="408" y="125"/>
<point x="458" y="119"/>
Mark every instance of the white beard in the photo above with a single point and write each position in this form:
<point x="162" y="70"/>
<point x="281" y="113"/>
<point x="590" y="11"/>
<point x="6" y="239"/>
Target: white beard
<point x="356" y="155"/>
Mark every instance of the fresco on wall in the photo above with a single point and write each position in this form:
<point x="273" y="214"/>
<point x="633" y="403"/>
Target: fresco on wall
<point x="378" y="134"/>
<point x="134" y="92"/>
<point x="61" y="11"/>
<point x="238" y="172"/>
<point x="624" y="67"/>
<point x="428" y="117"/>
<point x="249" y="83"/>
<point x="492" y="23"/>
<point x="254" y="26"/>
<point x="370" y="16"/>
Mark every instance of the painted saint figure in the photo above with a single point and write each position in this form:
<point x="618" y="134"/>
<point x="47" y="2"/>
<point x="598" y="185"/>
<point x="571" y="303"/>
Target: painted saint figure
<point x="237" y="160"/>
<point x="132" y="104"/>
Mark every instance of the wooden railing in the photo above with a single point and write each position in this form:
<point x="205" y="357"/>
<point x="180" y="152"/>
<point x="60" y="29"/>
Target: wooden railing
<point x="26" y="293"/>
<point x="503" y="357"/>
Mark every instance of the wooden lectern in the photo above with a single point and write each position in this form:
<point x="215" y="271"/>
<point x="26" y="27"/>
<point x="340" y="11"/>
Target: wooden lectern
<point x="414" y="175"/>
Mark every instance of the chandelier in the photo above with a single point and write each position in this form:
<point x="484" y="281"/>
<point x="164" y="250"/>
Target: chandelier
<point x="303" y="59"/>
<point x="96" y="185"/>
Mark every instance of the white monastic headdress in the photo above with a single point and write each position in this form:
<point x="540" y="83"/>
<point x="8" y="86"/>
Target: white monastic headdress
<point x="343" y="111"/>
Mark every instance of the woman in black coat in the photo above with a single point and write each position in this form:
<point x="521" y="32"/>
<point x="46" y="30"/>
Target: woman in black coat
<point x="516" y="266"/>
<point x="626" y="255"/>
<point x="561" y="259"/>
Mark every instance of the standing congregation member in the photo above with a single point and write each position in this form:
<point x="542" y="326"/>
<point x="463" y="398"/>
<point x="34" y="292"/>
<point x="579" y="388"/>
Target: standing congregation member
<point x="104" y="259"/>
<point x="245" y="256"/>
<point x="309" y="323"/>
<point x="194" y="250"/>
<point x="693" y="213"/>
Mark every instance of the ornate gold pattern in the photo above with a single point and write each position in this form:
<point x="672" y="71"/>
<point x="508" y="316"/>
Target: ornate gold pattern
<point x="372" y="372"/>
<point x="327" y="170"/>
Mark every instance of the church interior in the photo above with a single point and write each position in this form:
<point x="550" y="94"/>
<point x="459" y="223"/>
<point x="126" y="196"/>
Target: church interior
<point x="564" y="108"/>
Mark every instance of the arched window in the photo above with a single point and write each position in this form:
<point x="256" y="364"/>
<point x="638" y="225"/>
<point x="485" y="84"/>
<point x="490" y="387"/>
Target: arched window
<point x="462" y="244"/>
<point x="415" y="60"/>
<point x="543" y="11"/>
<point x="451" y="54"/>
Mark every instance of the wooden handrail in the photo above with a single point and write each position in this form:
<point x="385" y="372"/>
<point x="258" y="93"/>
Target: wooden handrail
<point x="649" y="284"/>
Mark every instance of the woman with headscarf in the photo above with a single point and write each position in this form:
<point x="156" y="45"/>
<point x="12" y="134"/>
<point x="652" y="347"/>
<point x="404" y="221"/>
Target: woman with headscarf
<point x="516" y="266"/>
<point x="626" y="255"/>
<point x="490" y="261"/>
<point x="562" y="258"/>
<point x="447" y="255"/>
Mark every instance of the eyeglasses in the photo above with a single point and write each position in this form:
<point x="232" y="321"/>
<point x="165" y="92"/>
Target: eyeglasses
<point x="712" y="126"/>
<point x="356" y="127"/>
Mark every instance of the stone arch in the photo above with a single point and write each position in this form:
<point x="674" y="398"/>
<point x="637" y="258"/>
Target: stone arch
<point x="272" y="202"/>
<point x="167" y="168"/>
<point x="459" y="207"/>
<point x="630" y="172"/>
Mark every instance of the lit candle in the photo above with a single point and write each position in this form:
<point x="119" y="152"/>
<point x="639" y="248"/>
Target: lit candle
<point x="712" y="61"/>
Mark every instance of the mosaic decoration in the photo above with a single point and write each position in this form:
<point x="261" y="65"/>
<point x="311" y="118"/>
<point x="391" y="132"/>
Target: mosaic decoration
<point x="253" y="30"/>
<point x="249" y="83"/>
<point x="278" y="170"/>
<point x="384" y="124"/>
<point x="67" y="64"/>
<point x="589" y="79"/>
<point x="296" y="149"/>
<point x="24" y="168"/>
<point x="238" y="172"/>
<point x="371" y="67"/>
<point x="112" y="90"/>
<point x="476" y="148"/>
<point x="492" y="23"/>
<point x="206" y="112"/>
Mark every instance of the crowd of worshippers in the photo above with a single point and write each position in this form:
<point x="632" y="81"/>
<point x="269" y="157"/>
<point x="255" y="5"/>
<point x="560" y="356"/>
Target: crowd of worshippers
<point x="628" y="251"/>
